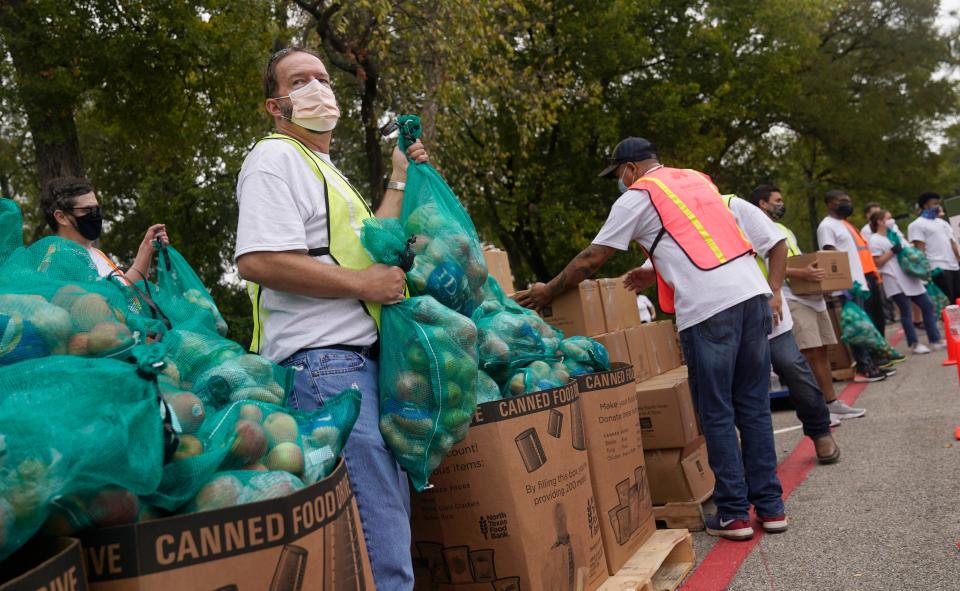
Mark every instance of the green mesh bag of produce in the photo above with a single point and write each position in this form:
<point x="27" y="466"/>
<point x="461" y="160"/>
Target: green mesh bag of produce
<point x="510" y="336"/>
<point x="487" y="389"/>
<point x="537" y="376"/>
<point x="939" y="299"/>
<point x="428" y="383"/>
<point x="11" y="228"/>
<point x="583" y="355"/>
<point x="857" y="329"/>
<point x="449" y="265"/>
<point x="239" y="487"/>
<point x="253" y="436"/>
<point x="68" y="425"/>
<point x="911" y="259"/>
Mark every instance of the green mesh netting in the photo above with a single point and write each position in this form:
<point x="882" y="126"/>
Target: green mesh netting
<point x="234" y="487"/>
<point x="183" y="297"/>
<point x="11" y="228"/>
<point x="487" y="389"/>
<point x="535" y="377"/>
<point x="911" y="259"/>
<point x="428" y="382"/>
<point x="253" y="436"/>
<point x="449" y="265"/>
<point x="857" y="329"/>
<point x="510" y="336"/>
<point x="70" y="424"/>
<point x="583" y="355"/>
<point x="936" y="295"/>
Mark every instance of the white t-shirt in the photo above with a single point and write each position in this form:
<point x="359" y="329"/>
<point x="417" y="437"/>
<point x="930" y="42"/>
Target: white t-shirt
<point x="764" y="235"/>
<point x="937" y="237"/>
<point x="645" y="307"/>
<point x="833" y="232"/>
<point x="894" y="279"/>
<point x="283" y="208"/>
<point x="698" y="294"/>
<point x="104" y="264"/>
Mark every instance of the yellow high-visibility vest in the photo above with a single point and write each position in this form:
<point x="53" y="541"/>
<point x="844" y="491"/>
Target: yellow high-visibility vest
<point x="346" y="211"/>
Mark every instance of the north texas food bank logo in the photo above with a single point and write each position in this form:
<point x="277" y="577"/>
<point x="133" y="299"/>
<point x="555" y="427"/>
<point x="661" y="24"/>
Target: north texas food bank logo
<point x="494" y="527"/>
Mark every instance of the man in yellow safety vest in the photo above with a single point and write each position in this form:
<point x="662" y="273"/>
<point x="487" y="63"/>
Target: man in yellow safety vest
<point x="705" y="271"/>
<point x="318" y="294"/>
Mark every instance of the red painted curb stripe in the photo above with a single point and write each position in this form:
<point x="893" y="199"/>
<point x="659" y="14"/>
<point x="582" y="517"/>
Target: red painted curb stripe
<point x="726" y="557"/>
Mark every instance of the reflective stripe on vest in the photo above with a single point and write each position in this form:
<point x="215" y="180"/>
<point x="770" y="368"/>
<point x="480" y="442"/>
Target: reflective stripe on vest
<point x="346" y="211"/>
<point x="693" y="214"/>
<point x="866" y="259"/>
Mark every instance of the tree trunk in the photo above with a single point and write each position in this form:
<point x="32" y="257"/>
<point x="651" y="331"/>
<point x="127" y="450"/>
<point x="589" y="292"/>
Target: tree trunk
<point x="371" y="138"/>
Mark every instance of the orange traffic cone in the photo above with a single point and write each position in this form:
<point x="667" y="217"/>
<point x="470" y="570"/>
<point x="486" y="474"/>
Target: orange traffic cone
<point x="951" y="342"/>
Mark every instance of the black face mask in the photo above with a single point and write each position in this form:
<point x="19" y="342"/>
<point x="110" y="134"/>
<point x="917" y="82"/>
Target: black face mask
<point x="778" y="212"/>
<point x="845" y="210"/>
<point x="90" y="226"/>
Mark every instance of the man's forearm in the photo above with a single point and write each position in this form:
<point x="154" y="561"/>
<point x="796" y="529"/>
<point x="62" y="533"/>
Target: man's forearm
<point x="391" y="204"/>
<point x="296" y="273"/>
<point x="777" y="268"/>
<point x="581" y="267"/>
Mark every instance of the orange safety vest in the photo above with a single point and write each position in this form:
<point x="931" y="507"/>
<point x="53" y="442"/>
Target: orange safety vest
<point x="866" y="259"/>
<point x="693" y="214"/>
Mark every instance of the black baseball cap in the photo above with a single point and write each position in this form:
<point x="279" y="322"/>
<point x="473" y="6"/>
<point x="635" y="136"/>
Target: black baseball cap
<point x="632" y="149"/>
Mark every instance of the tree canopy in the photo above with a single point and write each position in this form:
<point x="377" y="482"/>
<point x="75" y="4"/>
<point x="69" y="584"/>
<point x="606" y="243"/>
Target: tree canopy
<point x="522" y="100"/>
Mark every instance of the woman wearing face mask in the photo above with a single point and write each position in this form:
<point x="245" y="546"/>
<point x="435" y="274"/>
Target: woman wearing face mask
<point x="900" y="287"/>
<point x="72" y="211"/>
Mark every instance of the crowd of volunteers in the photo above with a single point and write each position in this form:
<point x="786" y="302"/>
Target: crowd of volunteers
<point x="719" y="262"/>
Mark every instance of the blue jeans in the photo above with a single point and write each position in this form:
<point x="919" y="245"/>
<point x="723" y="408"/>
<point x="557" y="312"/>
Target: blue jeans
<point x="794" y="371"/>
<point x="380" y="485"/>
<point x="728" y="359"/>
<point x="906" y="317"/>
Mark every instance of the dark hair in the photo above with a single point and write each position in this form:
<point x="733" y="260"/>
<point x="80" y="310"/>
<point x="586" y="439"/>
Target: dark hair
<point x="869" y="206"/>
<point x="833" y="194"/>
<point x="270" y="71"/>
<point x="762" y="193"/>
<point x="60" y="193"/>
<point x="928" y="196"/>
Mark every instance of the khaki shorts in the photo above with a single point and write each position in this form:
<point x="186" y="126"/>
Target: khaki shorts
<point x="811" y="329"/>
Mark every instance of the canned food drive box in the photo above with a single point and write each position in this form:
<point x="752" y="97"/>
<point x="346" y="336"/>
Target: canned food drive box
<point x="45" y="564"/>
<point x="310" y="540"/>
<point x="512" y="508"/>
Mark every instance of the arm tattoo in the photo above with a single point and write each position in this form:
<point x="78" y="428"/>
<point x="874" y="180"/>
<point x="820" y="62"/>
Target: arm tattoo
<point x="581" y="267"/>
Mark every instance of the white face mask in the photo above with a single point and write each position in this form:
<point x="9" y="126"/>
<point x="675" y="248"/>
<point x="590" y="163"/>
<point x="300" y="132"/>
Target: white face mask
<point x="891" y="223"/>
<point x="622" y="185"/>
<point x="314" y="106"/>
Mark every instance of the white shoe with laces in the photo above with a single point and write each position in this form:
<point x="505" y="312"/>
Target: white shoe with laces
<point x="938" y="346"/>
<point x="920" y="349"/>
<point x="839" y="409"/>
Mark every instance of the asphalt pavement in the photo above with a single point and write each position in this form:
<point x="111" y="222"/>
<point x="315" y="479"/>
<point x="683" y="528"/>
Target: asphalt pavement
<point x="885" y="517"/>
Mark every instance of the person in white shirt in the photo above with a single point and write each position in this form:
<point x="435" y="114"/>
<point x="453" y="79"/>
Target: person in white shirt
<point x="722" y="314"/>
<point x="785" y="357"/>
<point x="902" y="288"/>
<point x="935" y="237"/>
<point x="865" y="231"/>
<point x="71" y="210"/>
<point x="319" y="314"/>
<point x="836" y="233"/>
<point x="646" y="309"/>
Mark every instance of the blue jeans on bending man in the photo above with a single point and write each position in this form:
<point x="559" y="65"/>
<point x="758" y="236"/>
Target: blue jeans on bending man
<point x="380" y="485"/>
<point x="728" y="359"/>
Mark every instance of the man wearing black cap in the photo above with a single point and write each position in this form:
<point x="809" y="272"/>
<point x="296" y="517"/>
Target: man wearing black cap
<point x="705" y="272"/>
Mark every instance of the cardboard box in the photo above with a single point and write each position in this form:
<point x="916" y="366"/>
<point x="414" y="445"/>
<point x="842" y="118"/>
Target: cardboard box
<point x="841" y="359"/>
<point x="615" y="449"/>
<point x="667" y="416"/>
<point x="512" y="505"/>
<point x="45" y="564"/>
<point x="666" y="346"/>
<point x="681" y="474"/>
<point x="619" y="305"/>
<point x="577" y="312"/>
<point x="310" y="540"/>
<point x="498" y="265"/>
<point x="837" y="265"/>
<point x="616" y="345"/>
<point x="643" y="361"/>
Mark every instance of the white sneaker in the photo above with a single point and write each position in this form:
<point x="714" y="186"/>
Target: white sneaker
<point x="919" y="349"/>
<point x="839" y="409"/>
<point x="938" y="346"/>
<point x="834" y="420"/>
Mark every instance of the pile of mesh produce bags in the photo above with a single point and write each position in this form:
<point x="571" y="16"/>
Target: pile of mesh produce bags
<point x="125" y="402"/>
<point x="458" y="340"/>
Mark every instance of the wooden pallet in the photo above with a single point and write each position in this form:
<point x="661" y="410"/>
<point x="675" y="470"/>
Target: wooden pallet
<point x="660" y="564"/>
<point x="681" y="515"/>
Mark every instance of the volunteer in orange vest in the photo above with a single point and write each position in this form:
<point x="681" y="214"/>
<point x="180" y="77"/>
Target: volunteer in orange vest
<point x="706" y="272"/>
<point x="72" y="211"/>
<point x="836" y="233"/>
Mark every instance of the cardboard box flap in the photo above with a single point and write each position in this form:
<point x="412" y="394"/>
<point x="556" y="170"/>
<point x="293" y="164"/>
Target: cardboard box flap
<point x="696" y="468"/>
<point x="618" y="375"/>
<point x="45" y="563"/>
